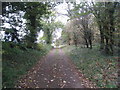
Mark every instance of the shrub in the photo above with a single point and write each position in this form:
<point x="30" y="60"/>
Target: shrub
<point x="17" y="60"/>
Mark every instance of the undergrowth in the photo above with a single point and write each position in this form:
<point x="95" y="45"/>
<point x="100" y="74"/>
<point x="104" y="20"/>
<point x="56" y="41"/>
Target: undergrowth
<point x="16" y="62"/>
<point x="99" y="68"/>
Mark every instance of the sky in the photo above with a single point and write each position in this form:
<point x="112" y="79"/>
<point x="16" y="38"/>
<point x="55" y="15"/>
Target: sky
<point x="61" y="8"/>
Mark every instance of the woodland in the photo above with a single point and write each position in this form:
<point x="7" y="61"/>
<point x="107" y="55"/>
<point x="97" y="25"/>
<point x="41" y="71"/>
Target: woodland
<point x="90" y="37"/>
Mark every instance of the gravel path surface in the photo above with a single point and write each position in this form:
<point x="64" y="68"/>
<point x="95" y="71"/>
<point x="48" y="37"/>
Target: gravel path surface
<point x="55" y="70"/>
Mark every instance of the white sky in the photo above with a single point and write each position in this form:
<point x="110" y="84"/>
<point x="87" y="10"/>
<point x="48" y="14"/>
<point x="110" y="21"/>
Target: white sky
<point x="62" y="10"/>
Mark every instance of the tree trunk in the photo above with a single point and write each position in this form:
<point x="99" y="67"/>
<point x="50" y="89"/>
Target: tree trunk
<point x="90" y="42"/>
<point x="102" y="43"/>
<point x="112" y="29"/>
<point x="32" y="35"/>
<point x="86" y="41"/>
<point x="108" y="46"/>
<point x="75" y="39"/>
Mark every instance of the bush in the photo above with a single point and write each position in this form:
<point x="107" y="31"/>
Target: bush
<point x="17" y="61"/>
<point x="99" y="68"/>
<point x="41" y="46"/>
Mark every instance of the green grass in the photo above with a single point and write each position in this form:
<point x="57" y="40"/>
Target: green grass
<point x="16" y="62"/>
<point x="99" y="68"/>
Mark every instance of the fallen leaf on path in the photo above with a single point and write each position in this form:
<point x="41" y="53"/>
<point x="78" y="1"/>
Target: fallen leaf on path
<point x="52" y="80"/>
<point x="71" y="77"/>
<point x="54" y="76"/>
<point x="45" y="78"/>
<point x="64" y="81"/>
<point x="48" y="82"/>
<point x="68" y="82"/>
<point x="63" y="85"/>
<point x="36" y="87"/>
<point x="34" y="71"/>
<point x="42" y="74"/>
<point x="74" y="80"/>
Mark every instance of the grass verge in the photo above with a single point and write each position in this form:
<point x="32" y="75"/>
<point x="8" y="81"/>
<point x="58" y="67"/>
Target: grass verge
<point x="98" y="68"/>
<point x="16" y="62"/>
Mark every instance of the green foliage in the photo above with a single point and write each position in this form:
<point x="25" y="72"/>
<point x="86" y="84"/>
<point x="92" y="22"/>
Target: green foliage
<point x="33" y="14"/>
<point x="99" y="68"/>
<point x="49" y="28"/>
<point x="43" y="47"/>
<point x="105" y="16"/>
<point x="17" y="61"/>
<point x="12" y="16"/>
<point x="33" y="11"/>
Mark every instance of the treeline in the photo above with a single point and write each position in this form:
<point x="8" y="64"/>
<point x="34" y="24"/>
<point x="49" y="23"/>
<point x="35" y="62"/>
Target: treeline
<point x="97" y="22"/>
<point x="22" y="21"/>
<point x="14" y="13"/>
<point x="21" y="47"/>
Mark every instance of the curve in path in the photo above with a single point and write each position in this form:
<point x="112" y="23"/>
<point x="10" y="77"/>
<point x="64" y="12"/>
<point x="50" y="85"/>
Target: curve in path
<point x="55" y="70"/>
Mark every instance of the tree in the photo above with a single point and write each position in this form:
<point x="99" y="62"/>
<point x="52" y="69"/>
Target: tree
<point x="33" y="14"/>
<point x="49" y="26"/>
<point x="87" y="32"/>
<point x="81" y="15"/>
<point x="33" y="11"/>
<point x="104" y="13"/>
<point x="12" y="15"/>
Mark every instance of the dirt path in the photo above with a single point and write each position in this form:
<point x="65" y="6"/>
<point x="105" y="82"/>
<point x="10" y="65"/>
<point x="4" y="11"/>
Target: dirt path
<point x="55" y="70"/>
